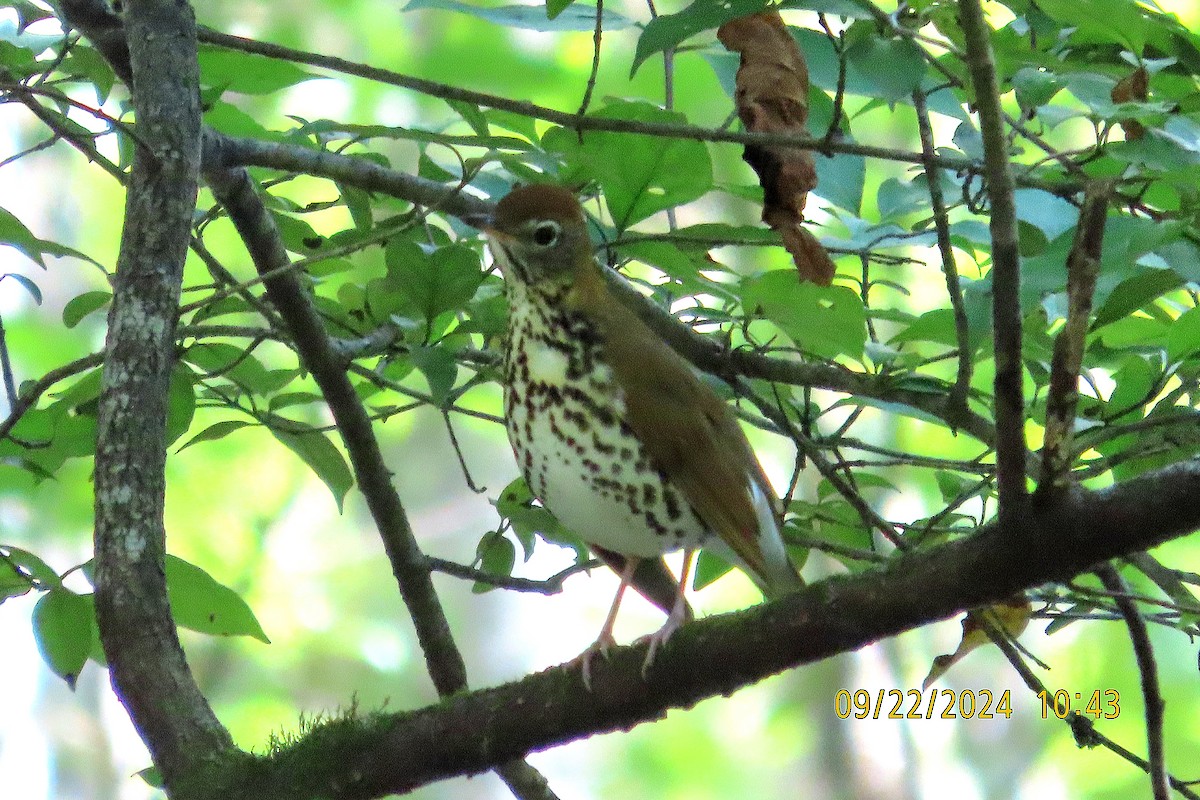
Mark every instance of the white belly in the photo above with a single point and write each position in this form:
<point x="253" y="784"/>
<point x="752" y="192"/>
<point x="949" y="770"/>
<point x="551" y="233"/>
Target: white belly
<point x="595" y="479"/>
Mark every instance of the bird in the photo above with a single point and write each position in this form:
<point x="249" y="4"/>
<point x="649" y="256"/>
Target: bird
<point x="615" y="433"/>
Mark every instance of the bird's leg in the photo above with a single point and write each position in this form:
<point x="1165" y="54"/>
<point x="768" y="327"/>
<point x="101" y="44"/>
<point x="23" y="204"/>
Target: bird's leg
<point x="678" y="615"/>
<point x="605" y="640"/>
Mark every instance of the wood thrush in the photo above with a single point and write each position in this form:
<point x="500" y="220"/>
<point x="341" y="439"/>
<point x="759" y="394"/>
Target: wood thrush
<point x="612" y="429"/>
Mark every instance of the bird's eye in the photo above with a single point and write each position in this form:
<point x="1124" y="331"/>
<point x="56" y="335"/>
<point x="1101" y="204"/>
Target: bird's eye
<point x="545" y="234"/>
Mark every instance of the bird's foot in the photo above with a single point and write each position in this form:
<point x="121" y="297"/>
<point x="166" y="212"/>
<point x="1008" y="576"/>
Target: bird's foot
<point x="675" y="621"/>
<point x="599" y="647"/>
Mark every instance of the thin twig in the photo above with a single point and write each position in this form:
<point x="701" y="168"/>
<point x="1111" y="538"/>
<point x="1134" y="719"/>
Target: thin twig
<point x="1148" y="668"/>
<point x="45" y="144"/>
<point x="462" y="459"/>
<point x="87" y="147"/>
<point x="830" y="473"/>
<point x="28" y="398"/>
<point x="547" y="586"/>
<point x="54" y="121"/>
<point x="10" y="382"/>
<point x="252" y="220"/>
<point x="1083" y="729"/>
<point x="415" y="394"/>
<point x="380" y="235"/>
<point x="597" y="34"/>
<point x="838" y="43"/>
<point x="573" y="121"/>
<point x="933" y="176"/>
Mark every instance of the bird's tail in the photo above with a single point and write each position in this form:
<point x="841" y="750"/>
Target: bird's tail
<point x="775" y="575"/>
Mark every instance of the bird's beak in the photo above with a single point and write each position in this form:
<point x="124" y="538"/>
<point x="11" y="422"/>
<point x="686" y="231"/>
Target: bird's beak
<point x="497" y="237"/>
<point x="479" y="219"/>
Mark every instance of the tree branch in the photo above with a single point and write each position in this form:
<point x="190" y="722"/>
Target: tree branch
<point x="1006" y="264"/>
<point x="702" y="351"/>
<point x="1148" y="669"/>
<point x="393" y="753"/>
<point x="147" y="666"/>
<point x="547" y="586"/>
<point x="1062" y="397"/>
<point x="234" y="190"/>
<point x="576" y="122"/>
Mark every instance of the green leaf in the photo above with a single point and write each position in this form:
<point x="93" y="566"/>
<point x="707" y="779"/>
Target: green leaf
<point x="953" y="485"/>
<point x="323" y="458"/>
<point x="14" y="233"/>
<point x="559" y="15"/>
<point x="488" y="314"/>
<point x="218" y="430"/>
<point x="1183" y="339"/>
<point x="897" y="198"/>
<point x="932" y="326"/>
<point x="708" y="569"/>
<point x="825" y="320"/>
<point x="443" y="281"/>
<point x="528" y="521"/>
<point x="181" y="403"/>
<point x="32" y="565"/>
<point x="29" y="285"/>
<point x="1051" y="215"/>
<point x="1135" y="292"/>
<point x="1035" y="87"/>
<point x="840" y="180"/>
<point x="13" y="582"/>
<point x="440" y="369"/>
<point x="892" y="68"/>
<point x="236" y="364"/>
<point x="289" y="399"/>
<point x="80" y="306"/>
<point x="28" y="13"/>
<point x="669" y="30"/>
<point x="152" y="777"/>
<point x="496" y="555"/>
<point x="83" y="392"/>
<point x="556" y="7"/>
<point x="86" y="63"/>
<point x="200" y="603"/>
<point x="248" y="73"/>
<point x="862" y="480"/>
<point x="22" y="571"/>
<point x="64" y="625"/>
<point x="233" y="121"/>
<point x="837" y="522"/>
<point x="1134" y="381"/>
<point x="1134" y="331"/>
<point x="640" y="175"/>
<point x="1103" y="20"/>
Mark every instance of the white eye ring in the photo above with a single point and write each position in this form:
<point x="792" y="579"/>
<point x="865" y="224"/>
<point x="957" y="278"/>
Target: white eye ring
<point x="546" y="233"/>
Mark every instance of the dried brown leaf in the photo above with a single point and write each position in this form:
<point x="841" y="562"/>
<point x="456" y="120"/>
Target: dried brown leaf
<point x="772" y="97"/>
<point x="1134" y="87"/>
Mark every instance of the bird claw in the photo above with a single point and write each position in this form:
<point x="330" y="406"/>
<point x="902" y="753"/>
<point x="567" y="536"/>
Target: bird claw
<point x="659" y="638"/>
<point x="600" y="646"/>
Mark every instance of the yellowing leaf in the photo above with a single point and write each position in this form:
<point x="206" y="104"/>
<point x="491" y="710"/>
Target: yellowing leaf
<point x="1011" y="616"/>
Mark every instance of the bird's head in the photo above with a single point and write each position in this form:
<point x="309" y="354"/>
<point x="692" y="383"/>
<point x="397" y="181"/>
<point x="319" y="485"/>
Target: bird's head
<point x="538" y="235"/>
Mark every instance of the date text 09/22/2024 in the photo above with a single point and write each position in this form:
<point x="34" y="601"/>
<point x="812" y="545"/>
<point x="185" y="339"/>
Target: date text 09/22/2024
<point x="968" y="704"/>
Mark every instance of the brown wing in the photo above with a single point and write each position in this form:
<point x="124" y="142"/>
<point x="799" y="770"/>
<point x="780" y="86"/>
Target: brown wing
<point x="689" y="433"/>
